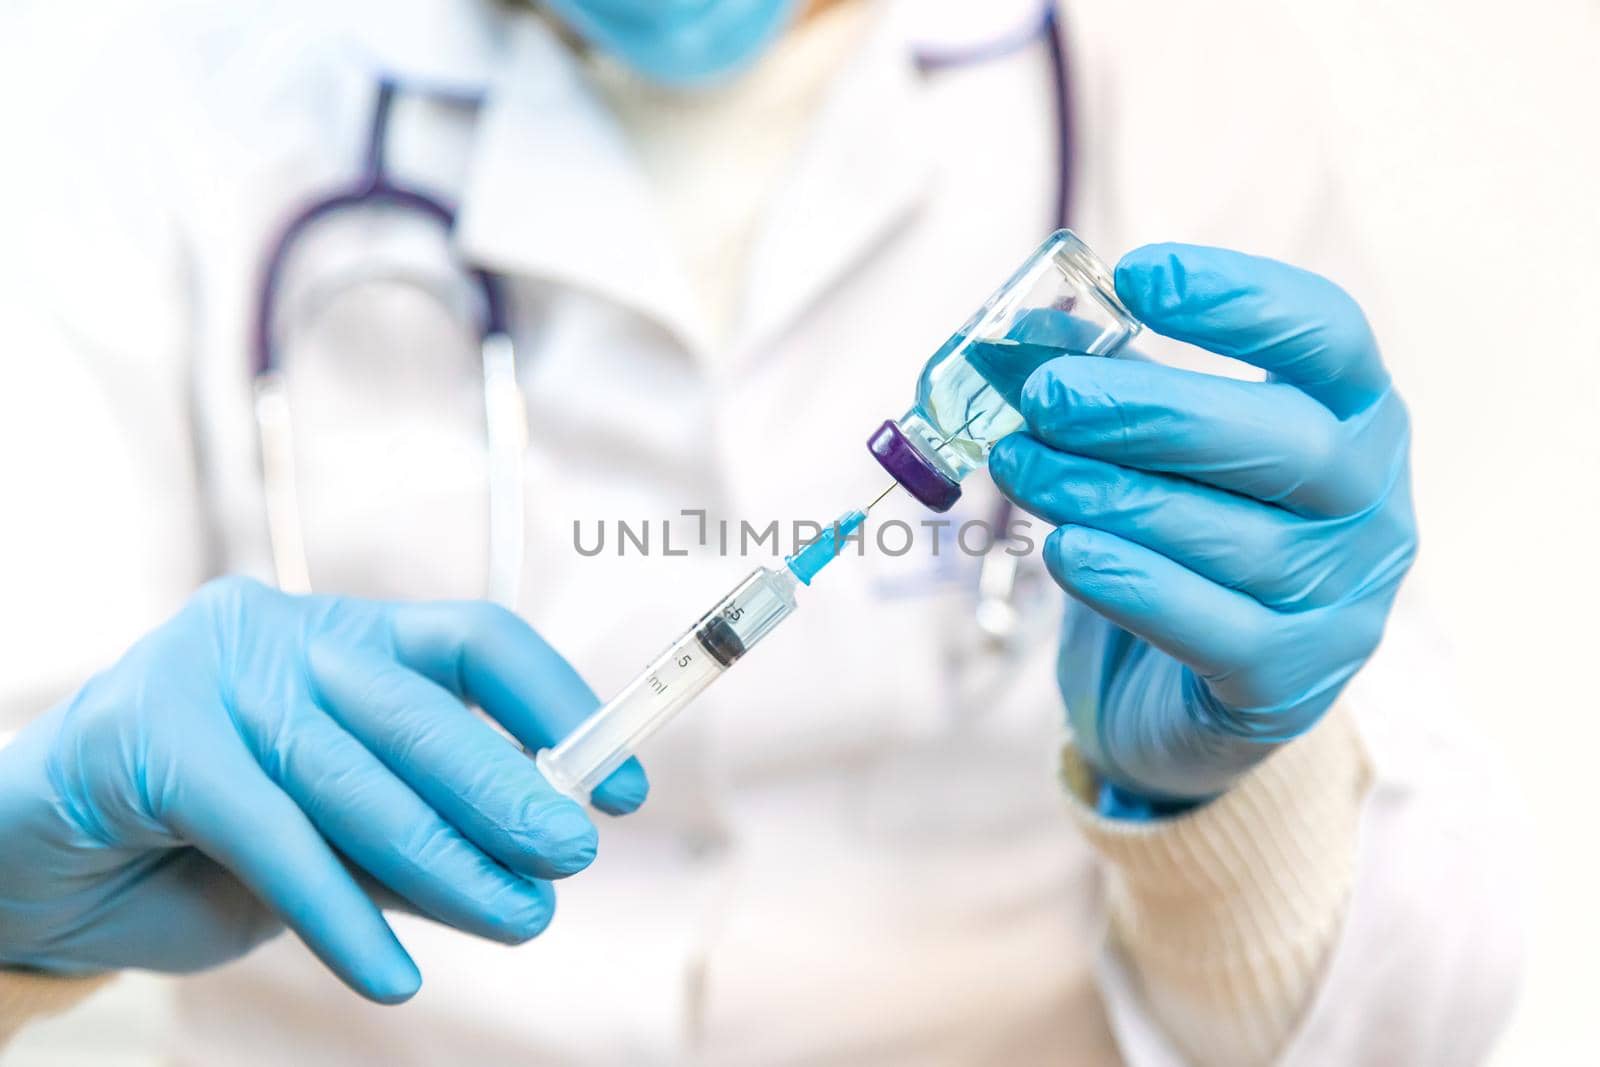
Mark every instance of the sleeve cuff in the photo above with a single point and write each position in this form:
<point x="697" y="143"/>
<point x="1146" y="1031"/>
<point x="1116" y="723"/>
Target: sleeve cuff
<point x="1227" y="912"/>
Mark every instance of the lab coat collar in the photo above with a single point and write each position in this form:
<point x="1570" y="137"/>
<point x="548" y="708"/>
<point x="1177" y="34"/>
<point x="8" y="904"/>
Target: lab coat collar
<point x="865" y="167"/>
<point x="553" y="191"/>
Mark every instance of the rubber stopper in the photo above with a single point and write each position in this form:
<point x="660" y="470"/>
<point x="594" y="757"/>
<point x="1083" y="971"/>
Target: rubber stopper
<point x="915" y="472"/>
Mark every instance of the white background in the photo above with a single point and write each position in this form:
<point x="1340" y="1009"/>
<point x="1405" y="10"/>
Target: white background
<point x="1468" y="131"/>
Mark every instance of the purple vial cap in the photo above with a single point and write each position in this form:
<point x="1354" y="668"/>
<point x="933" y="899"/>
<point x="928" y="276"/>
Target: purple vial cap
<point x="914" y="471"/>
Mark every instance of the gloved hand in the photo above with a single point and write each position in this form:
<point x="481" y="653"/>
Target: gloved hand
<point x="191" y="799"/>
<point x="1231" y="548"/>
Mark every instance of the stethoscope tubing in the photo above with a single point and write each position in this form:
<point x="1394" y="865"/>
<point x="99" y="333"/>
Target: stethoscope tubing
<point x="372" y="189"/>
<point x="504" y="413"/>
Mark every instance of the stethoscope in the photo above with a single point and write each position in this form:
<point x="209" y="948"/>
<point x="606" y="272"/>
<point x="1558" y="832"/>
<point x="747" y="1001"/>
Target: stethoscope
<point x="997" y="613"/>
<point x="505" y="417"/>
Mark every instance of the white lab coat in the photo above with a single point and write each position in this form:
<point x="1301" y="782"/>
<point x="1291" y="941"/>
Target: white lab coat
<point x="841" y="861"/>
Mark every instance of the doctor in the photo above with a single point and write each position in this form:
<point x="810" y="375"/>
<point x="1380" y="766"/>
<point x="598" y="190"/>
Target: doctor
<point x="727" y="235"/>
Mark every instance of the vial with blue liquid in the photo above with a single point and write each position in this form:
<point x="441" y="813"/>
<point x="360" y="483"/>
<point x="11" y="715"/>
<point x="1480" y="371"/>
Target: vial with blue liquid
<point x="1060" y="302"/>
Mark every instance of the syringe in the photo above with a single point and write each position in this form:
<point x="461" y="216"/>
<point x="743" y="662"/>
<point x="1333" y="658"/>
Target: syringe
<point x="602" y="742"/>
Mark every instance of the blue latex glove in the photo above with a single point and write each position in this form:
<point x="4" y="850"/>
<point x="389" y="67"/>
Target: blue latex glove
<point x="1231" y="548"/>
<point x="679" y="42"/>
<point x="216" y="782"/>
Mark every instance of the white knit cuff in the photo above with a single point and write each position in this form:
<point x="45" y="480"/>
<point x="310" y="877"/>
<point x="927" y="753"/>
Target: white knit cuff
<point x="1227" y="913"/>
<point x="26" y="995"/>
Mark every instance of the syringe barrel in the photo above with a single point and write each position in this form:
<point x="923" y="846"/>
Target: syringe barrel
<point x="603" y="741"/>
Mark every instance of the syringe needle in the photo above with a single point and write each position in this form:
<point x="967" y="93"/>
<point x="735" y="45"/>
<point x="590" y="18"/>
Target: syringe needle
<point x="951" y="436"/>
<point x="880" y="496"/>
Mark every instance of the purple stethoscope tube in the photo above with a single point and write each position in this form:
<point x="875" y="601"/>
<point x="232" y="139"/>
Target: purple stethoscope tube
<point x="372" y="188"/>
<point x="505" y="415"/>
<point x="507" y="431"/>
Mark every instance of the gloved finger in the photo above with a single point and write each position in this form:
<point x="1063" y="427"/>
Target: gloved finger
<point x="1217" y="632"/>
<point x="388" y="900"/>
<point x="466" y="771"/>
<point x="1299" y="326"/>
<point x="1284" y="561"/>
<point x="1261" y="439"/>
<point x="228" y="807"/>
<point x="486" y="654"/>
<point x="382" y="826"/>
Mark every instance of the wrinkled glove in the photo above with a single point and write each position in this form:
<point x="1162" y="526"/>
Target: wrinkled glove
<point x="265" y="760"/>
<point x="1231" y="549"/>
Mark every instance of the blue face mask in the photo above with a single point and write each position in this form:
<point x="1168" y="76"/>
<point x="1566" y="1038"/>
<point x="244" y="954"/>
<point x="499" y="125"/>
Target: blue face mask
<point x="678" y="42"/>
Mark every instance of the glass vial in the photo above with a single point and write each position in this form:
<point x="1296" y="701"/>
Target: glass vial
<point x="1060" y="302"/>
